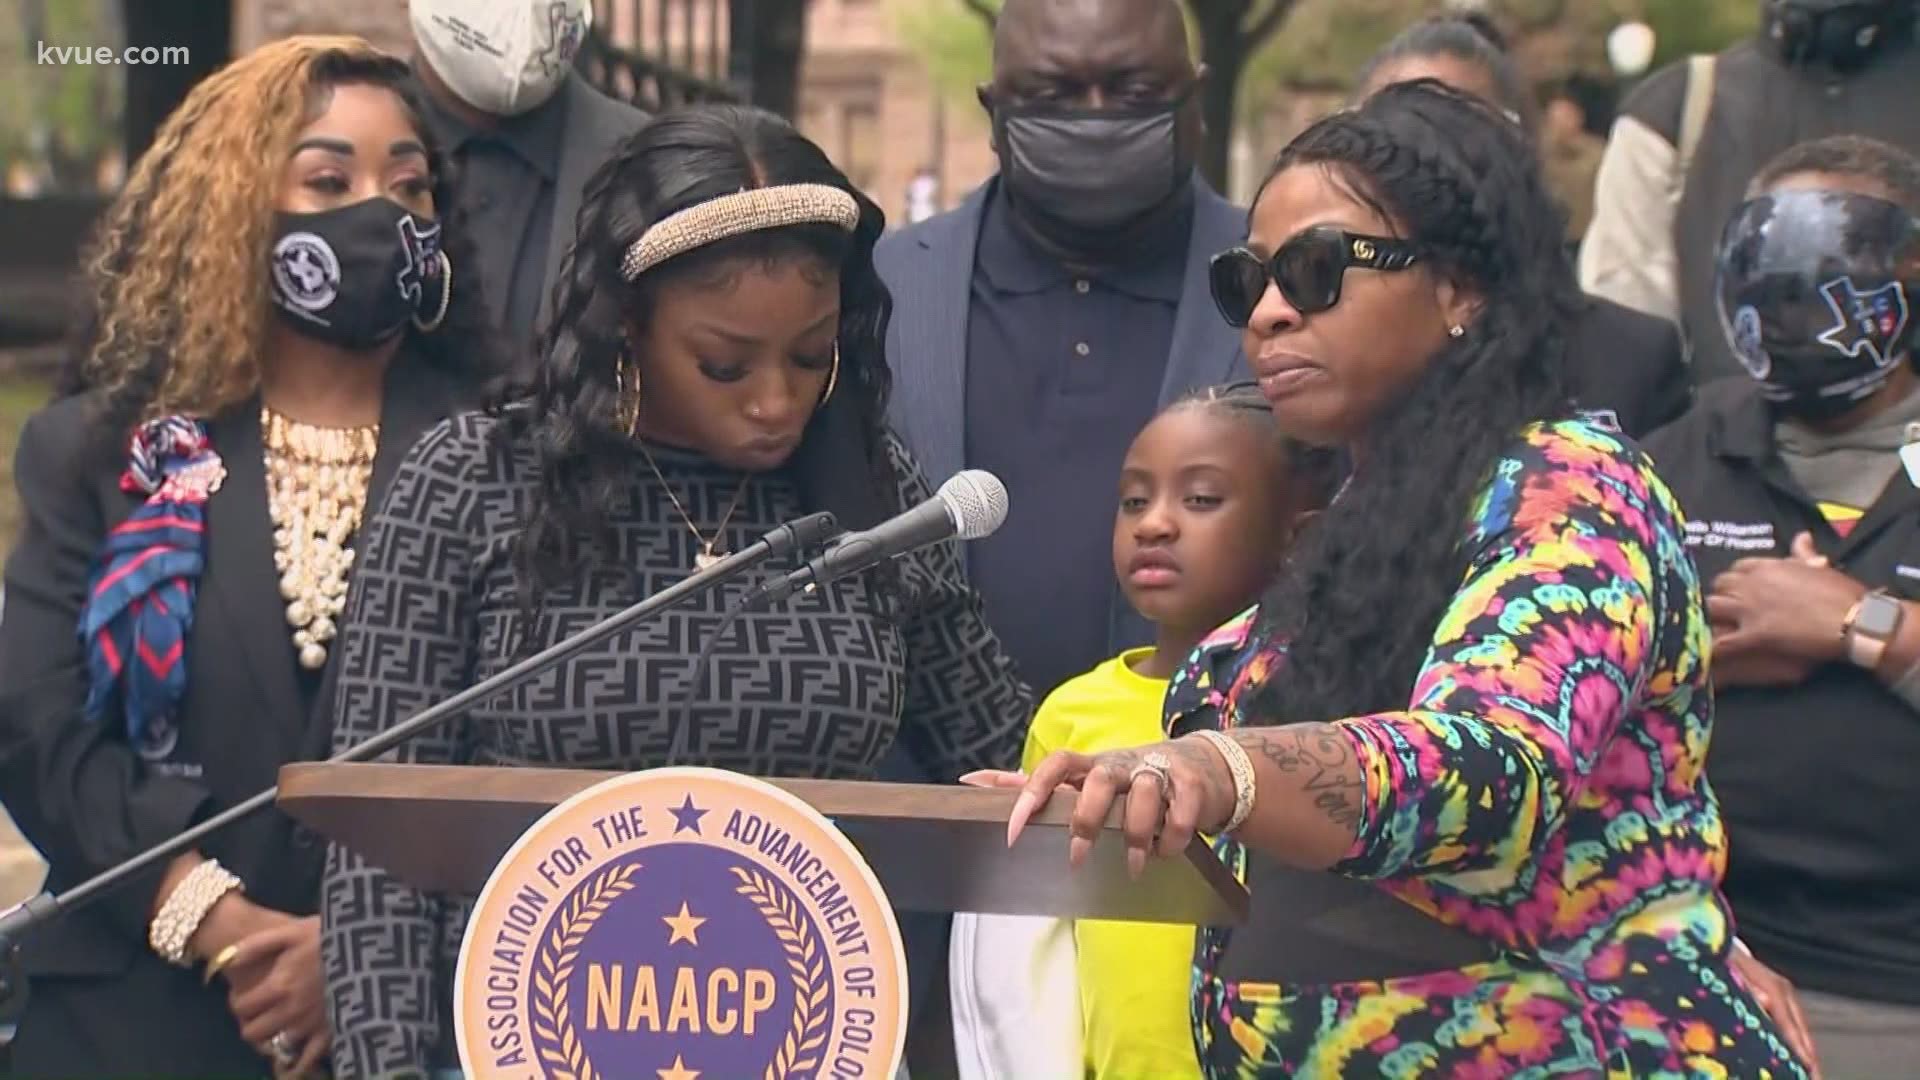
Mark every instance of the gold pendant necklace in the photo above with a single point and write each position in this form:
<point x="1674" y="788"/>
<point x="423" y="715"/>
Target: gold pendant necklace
<point x="709" y="553"/>
<point x="317" y="480"/>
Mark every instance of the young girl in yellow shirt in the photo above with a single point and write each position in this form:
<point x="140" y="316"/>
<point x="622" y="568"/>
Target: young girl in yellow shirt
<point x="1210" y="495"/>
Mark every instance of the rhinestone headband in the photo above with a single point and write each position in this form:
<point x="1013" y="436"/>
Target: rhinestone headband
<point x="741" y="212"/>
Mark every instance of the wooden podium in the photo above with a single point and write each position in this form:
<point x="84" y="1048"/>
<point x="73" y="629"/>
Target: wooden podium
<point x="934" y="847"/>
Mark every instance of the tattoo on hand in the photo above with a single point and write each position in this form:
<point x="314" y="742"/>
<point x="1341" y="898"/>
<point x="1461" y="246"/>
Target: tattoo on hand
<point x="1323" y="760"/>
<point x="1216" y="782"/>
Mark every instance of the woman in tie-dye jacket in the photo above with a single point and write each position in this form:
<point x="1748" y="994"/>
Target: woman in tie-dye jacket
<point x="1491" y="712"/>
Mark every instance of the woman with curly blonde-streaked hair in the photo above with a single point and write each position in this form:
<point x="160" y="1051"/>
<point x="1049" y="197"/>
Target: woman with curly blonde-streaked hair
<point x="275" y="310"/>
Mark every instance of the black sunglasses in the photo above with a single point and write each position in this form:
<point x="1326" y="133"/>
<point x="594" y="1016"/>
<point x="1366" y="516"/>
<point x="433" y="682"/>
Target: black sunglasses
<point x="1308" y="268"/>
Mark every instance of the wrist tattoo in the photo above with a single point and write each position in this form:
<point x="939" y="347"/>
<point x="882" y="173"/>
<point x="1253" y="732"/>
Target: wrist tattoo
<point x="1206" y="765"/>
<point x="1320" y="758"/>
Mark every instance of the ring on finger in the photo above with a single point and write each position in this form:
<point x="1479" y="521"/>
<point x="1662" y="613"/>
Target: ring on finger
<point x="283" y="1049"/>
<point x="1158" y="764"/>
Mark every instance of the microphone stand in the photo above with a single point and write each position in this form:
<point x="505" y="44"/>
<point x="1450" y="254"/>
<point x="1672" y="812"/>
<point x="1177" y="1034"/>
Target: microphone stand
<point x="23" y="918"/>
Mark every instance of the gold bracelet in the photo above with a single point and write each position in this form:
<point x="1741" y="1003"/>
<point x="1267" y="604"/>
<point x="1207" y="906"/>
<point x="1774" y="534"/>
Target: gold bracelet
<point x="219" y="963"/>
<point x="1241" y="766"/>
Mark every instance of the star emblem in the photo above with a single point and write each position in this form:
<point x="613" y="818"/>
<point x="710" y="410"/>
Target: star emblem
<point x="678" y="1071"/>
<point x="686" y="817"/>
<point x="683" y="925"/>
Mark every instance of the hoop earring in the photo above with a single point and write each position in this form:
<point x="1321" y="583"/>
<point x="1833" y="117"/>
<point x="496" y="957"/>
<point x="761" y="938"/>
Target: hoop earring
<point x="627" y="405"/>
<point x="446" y="298"/>
<point x="833" y="374"/>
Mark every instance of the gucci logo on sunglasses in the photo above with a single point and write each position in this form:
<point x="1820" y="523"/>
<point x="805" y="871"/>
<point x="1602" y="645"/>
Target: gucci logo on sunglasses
<point x="1308" y="269"/>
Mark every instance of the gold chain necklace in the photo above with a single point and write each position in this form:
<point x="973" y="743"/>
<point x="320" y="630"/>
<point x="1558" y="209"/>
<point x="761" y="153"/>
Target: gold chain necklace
<point x="708" y="554"/>
<point x="317" y="480"/>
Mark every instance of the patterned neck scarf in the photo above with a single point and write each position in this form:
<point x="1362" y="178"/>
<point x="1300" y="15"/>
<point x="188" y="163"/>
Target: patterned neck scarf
<point x="140" y="594"/>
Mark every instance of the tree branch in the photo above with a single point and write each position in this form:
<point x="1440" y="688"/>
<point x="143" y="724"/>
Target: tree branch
<point x="1265" y="24"/>
<point x="984" y="10"/>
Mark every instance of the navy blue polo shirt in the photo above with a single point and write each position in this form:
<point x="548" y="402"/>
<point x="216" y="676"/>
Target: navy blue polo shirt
<point x="1815" y="782"/>
<point x="1063" y="370"/>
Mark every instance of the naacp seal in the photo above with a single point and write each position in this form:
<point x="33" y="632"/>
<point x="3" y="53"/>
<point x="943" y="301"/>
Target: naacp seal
<point x="681" y="924"/>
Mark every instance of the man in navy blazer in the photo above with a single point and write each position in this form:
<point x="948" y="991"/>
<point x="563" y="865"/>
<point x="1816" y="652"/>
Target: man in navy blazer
<point x="1039" y="326"/>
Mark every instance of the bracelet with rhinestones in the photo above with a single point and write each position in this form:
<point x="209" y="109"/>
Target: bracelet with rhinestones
<point x="1241" y="766"/>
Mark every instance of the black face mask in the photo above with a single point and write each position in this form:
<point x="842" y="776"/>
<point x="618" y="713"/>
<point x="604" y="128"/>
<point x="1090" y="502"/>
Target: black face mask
<point x="1844" y="35"/>
<point x="352" y="276"/>
<point x="1815" y="291"/>
<point x="1075" y="172"/>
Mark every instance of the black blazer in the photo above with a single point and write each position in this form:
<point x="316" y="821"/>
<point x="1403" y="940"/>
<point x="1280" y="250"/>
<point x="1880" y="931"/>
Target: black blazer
<point x="101" y="1002"/>
<point x="1629" y="363"/>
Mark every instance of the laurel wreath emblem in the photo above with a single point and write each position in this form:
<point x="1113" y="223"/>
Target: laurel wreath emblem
<point x="565" y="1055"/>
<point x="806" y="966"/>
<point x="562" y="1050"/>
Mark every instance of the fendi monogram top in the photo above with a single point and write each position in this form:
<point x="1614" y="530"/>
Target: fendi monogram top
<point x="818" y="687"/>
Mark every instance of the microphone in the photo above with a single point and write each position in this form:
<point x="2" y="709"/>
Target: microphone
<point x="22" y="918"/>
<point x="970" y="505"/>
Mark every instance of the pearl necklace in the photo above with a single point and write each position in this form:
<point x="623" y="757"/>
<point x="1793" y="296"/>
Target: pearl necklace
<point x="317" y="480"/>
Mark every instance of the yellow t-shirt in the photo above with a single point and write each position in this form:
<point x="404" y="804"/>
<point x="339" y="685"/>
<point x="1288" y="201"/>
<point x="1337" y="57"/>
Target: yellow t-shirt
<point x="1134" y="977"/>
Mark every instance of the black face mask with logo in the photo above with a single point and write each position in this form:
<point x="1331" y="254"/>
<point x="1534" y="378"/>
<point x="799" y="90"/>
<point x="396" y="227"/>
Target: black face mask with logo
<point x="354" y="275"/>
<point x="1085" y="178"/>
<point x="1815" y="293"/>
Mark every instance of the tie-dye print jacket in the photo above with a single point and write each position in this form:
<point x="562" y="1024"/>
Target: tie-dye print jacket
<point x="1544" y="790"/>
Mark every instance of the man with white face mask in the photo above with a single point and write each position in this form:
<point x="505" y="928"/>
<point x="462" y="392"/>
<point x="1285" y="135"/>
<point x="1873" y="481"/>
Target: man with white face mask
<point x="525" y="130"/>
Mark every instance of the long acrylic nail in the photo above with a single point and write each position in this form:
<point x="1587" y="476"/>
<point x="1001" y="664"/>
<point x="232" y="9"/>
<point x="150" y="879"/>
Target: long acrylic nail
<point x="1077" y="850"/>
<point x="1022" y="809"/>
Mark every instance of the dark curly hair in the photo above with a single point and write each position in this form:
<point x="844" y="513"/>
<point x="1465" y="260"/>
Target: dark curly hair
<point x="1371" y="577"/>
<point x="149" y="336"/>
<point x="1470" y="38"/>
<point x="682" y="158"/>
<point x="1847" y="155"/>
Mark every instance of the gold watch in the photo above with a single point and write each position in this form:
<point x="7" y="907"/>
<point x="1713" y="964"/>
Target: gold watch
<point x="1870" y="627"/>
